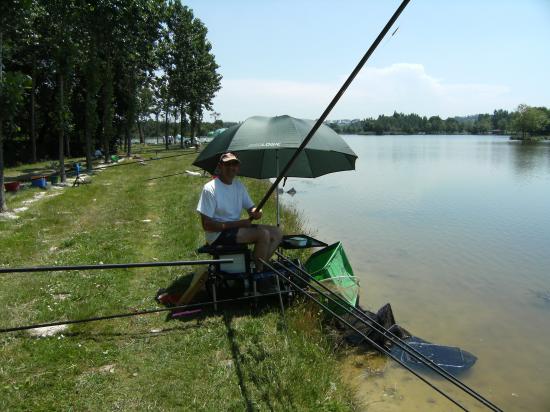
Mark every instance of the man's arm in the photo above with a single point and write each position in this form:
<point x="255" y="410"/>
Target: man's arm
<point x="211" y="225"/>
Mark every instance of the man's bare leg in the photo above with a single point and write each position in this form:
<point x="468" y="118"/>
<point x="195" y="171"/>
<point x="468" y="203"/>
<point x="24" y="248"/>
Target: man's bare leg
<point x="262" y="240"/>
<point x="275" y="237"/>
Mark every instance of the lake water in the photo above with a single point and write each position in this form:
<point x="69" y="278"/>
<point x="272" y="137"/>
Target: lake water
<point x="454" y="232"/>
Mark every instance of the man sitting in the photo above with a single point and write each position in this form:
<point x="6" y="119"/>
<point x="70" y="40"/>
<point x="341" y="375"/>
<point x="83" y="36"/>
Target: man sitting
<point x="220" y="205"/>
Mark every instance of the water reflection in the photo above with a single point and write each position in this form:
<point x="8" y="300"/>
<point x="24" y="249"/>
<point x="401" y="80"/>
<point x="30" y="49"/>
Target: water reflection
<point x="530" y="157"/>
<point x="454" y="231"/>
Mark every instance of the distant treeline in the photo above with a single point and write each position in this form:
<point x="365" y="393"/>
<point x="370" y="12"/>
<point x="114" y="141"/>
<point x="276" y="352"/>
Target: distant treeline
<point x="525" y="122"/>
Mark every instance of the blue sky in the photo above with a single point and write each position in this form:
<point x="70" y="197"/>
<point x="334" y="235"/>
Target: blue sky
<point x="447" y="58"/>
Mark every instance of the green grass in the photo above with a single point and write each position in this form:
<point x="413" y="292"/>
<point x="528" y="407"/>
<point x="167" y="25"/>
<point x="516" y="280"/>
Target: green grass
<point x="234" y="360"/>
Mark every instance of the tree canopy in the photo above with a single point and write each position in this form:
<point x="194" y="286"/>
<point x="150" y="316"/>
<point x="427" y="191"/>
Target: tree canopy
<point x="86" y="74"/>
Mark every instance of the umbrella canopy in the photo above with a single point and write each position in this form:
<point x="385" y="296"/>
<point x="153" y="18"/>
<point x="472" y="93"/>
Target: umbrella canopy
<point x="265" y="145"/>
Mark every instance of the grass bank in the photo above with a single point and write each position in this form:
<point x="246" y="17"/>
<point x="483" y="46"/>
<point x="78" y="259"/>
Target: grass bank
<point x="233" y="360"/>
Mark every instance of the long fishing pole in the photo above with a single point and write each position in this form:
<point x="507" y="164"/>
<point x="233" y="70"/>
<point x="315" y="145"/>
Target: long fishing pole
<point x="162" y="177"/>
<point x="373" y="343"/>
<point x="362" y="317"/>
<point x="129" y="314"/>
<point x="145" y="160"/>
<point x="333" y="102"/>
<point x="114" y="266"/>
<point x="109" y="165"/>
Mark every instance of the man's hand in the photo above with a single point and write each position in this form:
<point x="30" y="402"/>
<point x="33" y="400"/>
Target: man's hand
<point x="255" y="214"/>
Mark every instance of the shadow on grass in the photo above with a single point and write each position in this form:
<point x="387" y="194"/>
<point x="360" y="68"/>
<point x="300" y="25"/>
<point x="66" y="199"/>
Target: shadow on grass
<point x="249" y="369"/>
<point x="237" y="356"/>
<point x="249" y="365"/>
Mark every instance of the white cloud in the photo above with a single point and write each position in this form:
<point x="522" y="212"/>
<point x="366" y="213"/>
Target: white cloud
<point x="405" y="87"/>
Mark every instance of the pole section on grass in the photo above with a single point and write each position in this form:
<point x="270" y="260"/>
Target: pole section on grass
<point x="114" y="266"/>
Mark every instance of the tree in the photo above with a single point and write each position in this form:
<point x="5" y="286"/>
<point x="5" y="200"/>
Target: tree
<point x="451" y="125"/>
<point x="529" y="120"/>
<point x="12" y="88"/>
<point x="436" y="124"/>
<point x="501" y="120"/>
<point x="178" y="58"/>
<point x="483" y="124"/>
<point x="163" y="97"/>
<point x="12" y="84"/>
<point x="59" y="16"/>
<point x="145" y="106"/>
<point x="189" y="65"/>
<point x="137" y="36"/>
<point x="30" y="45"/>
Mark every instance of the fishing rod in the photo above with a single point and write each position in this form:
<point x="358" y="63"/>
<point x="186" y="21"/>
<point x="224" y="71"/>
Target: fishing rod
<point x="146" y="160"/>
<point x="372" y="342"/>
<point x="362" y="317"/>
<point x="135" y="313"/>
<point x="333" y="102"/>
<point x="69" y="169"/>
<point x="114" y="266"/>
<point x="161" y="177"/>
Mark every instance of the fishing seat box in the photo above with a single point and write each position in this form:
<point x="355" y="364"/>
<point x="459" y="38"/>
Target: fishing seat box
<point x="239" y="253"/>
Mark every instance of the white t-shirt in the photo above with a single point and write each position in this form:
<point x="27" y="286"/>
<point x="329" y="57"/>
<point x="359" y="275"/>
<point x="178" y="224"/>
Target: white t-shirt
<point x="223" y="203"/>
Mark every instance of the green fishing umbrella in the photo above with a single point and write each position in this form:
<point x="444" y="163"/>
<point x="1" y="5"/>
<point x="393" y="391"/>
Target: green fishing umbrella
<point x="265" y="145"/>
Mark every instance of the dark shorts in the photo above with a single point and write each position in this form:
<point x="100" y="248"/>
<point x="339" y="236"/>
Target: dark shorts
<point x="228" y="237"/>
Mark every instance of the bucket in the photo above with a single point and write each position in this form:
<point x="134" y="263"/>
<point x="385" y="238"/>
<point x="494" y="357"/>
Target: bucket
<point x="38" y="181"/>
<point x="54" y="179"/>
<point x="11" y="186"/>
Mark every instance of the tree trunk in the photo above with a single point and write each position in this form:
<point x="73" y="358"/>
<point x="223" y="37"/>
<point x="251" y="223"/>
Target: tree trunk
<point x="193" y="125"/>
<point x="198" y="123"/>
<point x="62" y="175"/>
<point x="107" y="111"/>
<point x="128" y="139"/>
<point x="33" y="115"/>
<point x="166" y="128"/>
<point x="182" y="125"/>
<point x="175" y="129"/>
<point x="157" y="131"/>
<point x="3" y="206"/>
<point x="140" y="131"/>
<point x="67" y="146"/>
<point x="88" y="132"/>
<point x="131" y="110"/>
